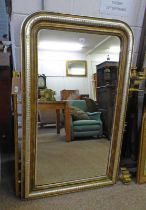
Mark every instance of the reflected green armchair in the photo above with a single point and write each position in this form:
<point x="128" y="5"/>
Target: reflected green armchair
<point x="84" y="123"/>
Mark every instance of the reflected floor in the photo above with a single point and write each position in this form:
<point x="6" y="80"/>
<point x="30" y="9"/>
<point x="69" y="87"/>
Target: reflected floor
<point x="59" y="161"/>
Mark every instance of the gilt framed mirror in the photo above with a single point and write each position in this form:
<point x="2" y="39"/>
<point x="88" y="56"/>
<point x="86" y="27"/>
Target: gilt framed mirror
<point x="76" y="68"/>
<point x="68" y="145"/>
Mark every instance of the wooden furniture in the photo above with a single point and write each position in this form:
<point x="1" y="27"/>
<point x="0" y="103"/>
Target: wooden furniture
<point x="69" y="94"/>
<point x="136" y="103"/>
<point x="6" y="143"/>
<point x="94" y="85"/>
<point x="141" y="111"/>
<point x="17" y="139"/>
<point x="107" y="76"/>
<point x="141" y="172"/>
<point x="59" y="105"/>
<point x="5" y="99"/>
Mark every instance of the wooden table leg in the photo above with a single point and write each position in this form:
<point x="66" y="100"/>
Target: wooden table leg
<point x="58" y="120"/>
<point x="67" y="123"/>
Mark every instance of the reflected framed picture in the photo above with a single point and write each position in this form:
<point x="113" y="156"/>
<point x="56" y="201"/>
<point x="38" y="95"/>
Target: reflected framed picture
<point x="76" y="68"/>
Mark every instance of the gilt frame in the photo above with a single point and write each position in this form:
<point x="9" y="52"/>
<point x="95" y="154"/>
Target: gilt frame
<point x="30" y="28"/>
<point x="68" y="73"/>
<point x="141" y="174"/>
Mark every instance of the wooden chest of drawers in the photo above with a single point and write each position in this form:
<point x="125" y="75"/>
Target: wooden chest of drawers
<point x="69" y="94"/>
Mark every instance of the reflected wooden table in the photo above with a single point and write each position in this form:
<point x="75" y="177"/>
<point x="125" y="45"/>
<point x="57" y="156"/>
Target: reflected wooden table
<point x="59" y="105"/>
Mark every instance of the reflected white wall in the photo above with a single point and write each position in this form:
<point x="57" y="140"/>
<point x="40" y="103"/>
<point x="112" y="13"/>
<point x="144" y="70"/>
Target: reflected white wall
<point x="53" y="65"/>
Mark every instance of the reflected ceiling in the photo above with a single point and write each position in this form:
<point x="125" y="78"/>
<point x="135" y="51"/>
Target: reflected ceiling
<point x="90" y="42"/>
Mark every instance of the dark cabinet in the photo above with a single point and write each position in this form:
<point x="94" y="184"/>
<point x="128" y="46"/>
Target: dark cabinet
<point x="69" y="94"/>
<point x="107" y="76"/>
<point x="5" y="100"/>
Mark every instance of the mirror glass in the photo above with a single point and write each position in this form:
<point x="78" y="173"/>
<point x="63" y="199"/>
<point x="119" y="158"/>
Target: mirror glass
<point x="76" y="68"/>
<point x="75" y="114"/>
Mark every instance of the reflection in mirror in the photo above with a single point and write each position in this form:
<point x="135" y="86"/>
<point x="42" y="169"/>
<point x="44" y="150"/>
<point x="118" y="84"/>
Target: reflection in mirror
<point x="76" y="68"/>
<point x="75" y="114"/>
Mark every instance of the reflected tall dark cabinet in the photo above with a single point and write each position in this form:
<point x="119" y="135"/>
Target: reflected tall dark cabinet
<point x="107" y="76"/>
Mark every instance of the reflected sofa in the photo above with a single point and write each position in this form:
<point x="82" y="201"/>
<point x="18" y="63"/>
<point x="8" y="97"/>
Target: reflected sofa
<point x="84" y="123"/>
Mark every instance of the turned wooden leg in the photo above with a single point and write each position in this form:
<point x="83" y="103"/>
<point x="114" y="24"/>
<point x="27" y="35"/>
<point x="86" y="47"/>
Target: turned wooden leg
<point x="58" y="120"/>
<point x="67" y="123"/>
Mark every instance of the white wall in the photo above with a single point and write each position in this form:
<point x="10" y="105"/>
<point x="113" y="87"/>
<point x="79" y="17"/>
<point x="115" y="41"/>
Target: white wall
<point x="53" y="65"/>
<point x="132" y="13"/>
<point x="100" y="54"/>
